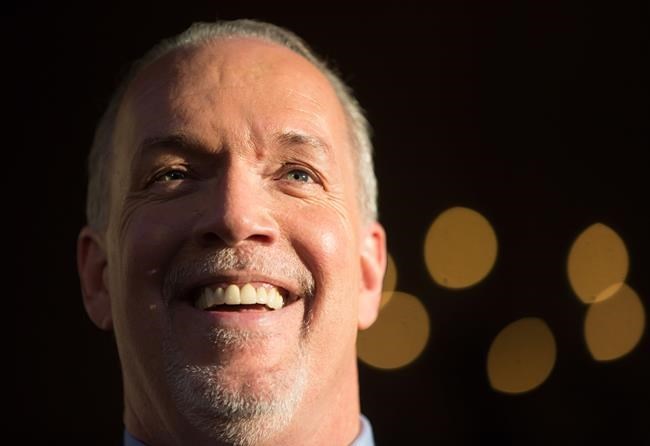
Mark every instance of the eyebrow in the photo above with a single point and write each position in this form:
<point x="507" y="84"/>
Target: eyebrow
<point x="194" y="146"/>
<point x="176" y="141"/>
<point x="294" y="138"/>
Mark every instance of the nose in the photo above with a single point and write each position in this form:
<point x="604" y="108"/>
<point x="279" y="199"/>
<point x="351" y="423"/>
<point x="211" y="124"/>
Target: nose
<point x="236" y="210"/>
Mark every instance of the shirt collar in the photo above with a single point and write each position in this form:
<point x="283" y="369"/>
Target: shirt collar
<point x="365" y="437"/>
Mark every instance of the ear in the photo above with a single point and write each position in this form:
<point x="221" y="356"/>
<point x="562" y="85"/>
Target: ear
<point x="373" y="267"/>
<point x="91" y="265"/>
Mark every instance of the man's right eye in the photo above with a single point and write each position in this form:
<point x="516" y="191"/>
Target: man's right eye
<point x="170" y="175"/>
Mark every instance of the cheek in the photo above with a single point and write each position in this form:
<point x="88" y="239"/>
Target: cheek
<point x="328" y="246"/>
<point x="329" y="242"/>
<point x="153" y="234"/>
<point x="149" y="242"/>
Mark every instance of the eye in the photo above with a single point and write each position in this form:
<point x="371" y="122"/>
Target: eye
<point x="170" y="175"/>
<point x="299" y="175"/>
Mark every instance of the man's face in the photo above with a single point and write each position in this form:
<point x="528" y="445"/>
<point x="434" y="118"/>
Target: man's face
<point x="234" y="167"/>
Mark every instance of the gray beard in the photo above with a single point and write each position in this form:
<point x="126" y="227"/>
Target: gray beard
<point x="223" y="407"/>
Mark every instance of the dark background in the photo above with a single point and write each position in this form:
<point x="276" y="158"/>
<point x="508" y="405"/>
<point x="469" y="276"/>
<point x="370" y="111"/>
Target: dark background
<point x="533" y="113"/>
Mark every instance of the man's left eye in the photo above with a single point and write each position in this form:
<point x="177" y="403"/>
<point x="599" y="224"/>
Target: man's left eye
<point x="171" y="175"/>
<point x="299" y="175"/>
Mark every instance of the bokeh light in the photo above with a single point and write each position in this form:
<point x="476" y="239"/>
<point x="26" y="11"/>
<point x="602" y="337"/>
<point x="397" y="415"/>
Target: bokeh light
<point x="598" y="263"/>
<point x="460" y="248"/>
<point x="390" y="281"/>
<point x="521" y="356"/>
<point x="399" y="335"/>
<point x="614" y="327"/>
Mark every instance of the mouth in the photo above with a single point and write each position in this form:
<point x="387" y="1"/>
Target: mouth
<point x="252" y="296"/>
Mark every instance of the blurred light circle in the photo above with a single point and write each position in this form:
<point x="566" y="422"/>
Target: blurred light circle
<point x="460" y="248"/>
<point x="598" y="263"/>
<point x="398" y="336"/>
<point x="521" y="356"/>
<point x="614" y="327"/>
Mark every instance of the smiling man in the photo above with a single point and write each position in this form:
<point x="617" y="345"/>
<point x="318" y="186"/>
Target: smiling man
<point x="232" y="243"/>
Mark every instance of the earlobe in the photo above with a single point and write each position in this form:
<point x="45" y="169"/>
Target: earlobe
<point x="91" y="265"/>
<point x="373" y="267"/>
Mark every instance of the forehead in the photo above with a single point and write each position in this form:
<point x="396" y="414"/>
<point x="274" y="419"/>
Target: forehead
<point x="229" y="82"/>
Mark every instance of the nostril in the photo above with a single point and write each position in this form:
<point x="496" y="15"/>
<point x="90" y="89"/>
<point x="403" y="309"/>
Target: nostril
<point x="259" y="238"/>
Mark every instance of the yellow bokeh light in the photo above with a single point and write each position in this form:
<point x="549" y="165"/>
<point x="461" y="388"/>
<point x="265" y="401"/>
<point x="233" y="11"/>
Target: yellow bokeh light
<point x="614" y="327"/>
<point x="598" y="263"/>
<point x="460" y="248"/>
<point x="398" y="336"/>
<point x="521" y="356"/>
<point x="390" y="281"/>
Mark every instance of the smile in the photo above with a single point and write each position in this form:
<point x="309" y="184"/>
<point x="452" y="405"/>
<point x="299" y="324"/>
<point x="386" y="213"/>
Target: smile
<point x="267" y="296"/>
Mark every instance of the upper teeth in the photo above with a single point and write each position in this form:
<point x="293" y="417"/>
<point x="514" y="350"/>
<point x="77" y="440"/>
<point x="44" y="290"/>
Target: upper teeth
<point x="234" y="295"/>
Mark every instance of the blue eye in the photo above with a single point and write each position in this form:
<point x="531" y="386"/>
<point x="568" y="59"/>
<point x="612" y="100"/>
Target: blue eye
<point x="171" y="175"/>
<point x="299" y="175"/>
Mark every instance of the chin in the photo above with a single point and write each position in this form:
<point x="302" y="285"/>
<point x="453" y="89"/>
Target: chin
<point x="233" y="404"/>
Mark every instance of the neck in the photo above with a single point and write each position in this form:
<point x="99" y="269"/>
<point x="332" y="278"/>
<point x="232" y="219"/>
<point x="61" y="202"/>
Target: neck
<point x="331" y="417"/>
<point x="328" y="415"/>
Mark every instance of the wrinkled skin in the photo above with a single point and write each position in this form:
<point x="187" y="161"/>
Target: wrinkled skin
<point x="240" y="147"/>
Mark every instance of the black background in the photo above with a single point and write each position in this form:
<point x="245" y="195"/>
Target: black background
<point x="533" y="113"/>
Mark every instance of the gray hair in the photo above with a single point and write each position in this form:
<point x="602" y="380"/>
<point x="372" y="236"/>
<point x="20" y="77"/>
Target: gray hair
<point x="100" y="158"/>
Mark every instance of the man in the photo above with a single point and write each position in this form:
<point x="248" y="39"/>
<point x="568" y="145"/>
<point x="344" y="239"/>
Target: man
<point x="232" y="243"/>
